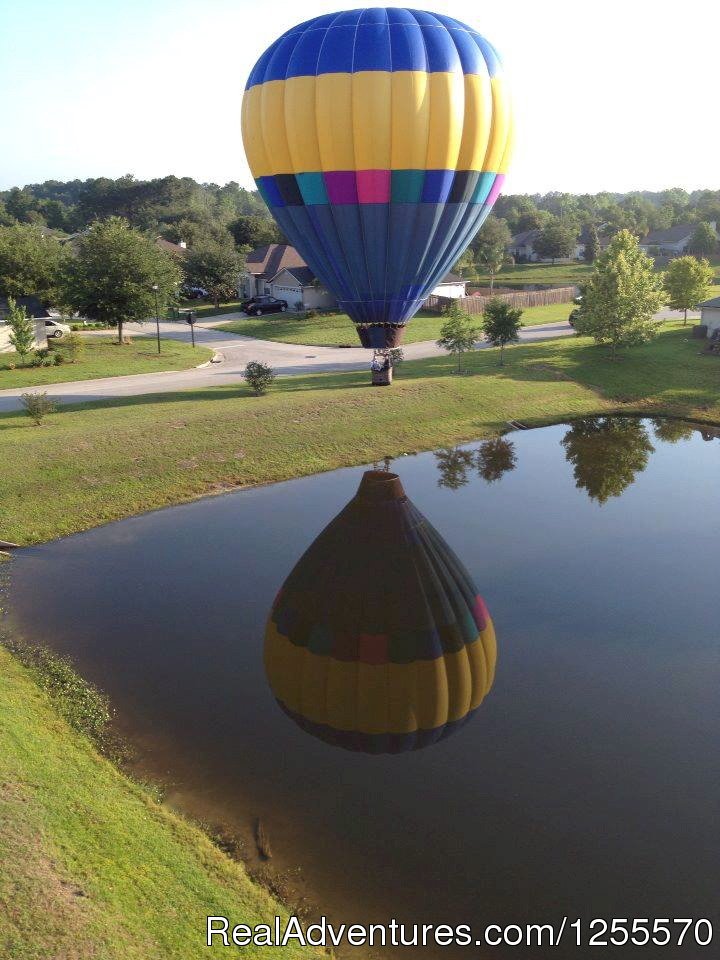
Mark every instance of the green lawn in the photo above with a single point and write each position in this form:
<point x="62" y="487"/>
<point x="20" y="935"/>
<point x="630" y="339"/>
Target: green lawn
<point x="202" y="309"/>
<point x="556" y="274"/>
<point x="92" y="866"/>
<point x="118" y="457"/>
<point x="104" y="357"/>
<point x="338" y="330"/>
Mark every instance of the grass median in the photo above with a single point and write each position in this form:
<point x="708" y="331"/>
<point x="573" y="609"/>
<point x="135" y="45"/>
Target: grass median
<point x="337" y="330"/>
<point x="104" y="357"/>
<point x="98" y="462"/>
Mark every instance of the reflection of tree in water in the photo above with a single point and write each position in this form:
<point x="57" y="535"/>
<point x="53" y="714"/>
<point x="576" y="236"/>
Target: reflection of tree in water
<point x="607" y="453"/>
<point x="495" y="458"/>
<point x="670" y="431"/>
<point x="453" y="466"/>
<point x="492" y="459"/>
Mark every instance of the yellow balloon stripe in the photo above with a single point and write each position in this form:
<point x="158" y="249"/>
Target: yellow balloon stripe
<point x="377" y="120"/>
<point x="383" y="698"/>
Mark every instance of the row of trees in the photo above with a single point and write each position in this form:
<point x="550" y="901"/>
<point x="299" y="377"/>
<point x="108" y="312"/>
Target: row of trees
<point x="618" y="307"/>
<point x="556" y="239"/>
<point x="179" y="208"/>
<point x="606" y="454"/>
<point x="111" y="272"/>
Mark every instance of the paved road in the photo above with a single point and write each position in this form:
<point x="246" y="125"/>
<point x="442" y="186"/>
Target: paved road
<point x="235" y="351"/>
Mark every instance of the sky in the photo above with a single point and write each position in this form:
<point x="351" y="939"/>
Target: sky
<point x="618" y="95"/>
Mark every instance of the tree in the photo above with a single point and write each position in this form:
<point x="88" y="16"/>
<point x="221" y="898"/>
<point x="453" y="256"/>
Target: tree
<point x="255" y="231"/>
<point x="216" y="267"/>
<point x="607" y="453"/>
<point x="621" y="296"/>
<point x="501" y="324"/>
<point x="113" y="275"/>
<point x="22" y="331"/>
<point x="592" y="244"/>
<point x="495" y="458"/>
<point x="491" y="245"/>
<point x="457" y="334"/>
<point x="704" y="241"/>
<point x="30" y="263"/>
<point x="465" y="265"/>
<point x="686" y="281"/>
<point x="453" y="465"/>
<point x="556" y="239"/>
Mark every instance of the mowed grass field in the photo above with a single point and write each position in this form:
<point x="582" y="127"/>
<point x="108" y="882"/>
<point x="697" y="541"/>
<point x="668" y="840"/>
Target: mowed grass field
<point x="337" y="330"/>
<point x="98" y="462"/>
<point x="103" y="356"/>
<point x="91" y="866"/>
<point x="558" y="274"/>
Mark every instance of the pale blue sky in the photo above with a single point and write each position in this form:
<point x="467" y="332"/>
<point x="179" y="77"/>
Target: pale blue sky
<point x="615" y="95"/>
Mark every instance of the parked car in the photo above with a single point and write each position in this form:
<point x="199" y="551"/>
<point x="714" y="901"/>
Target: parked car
<point x="55" y="329"/>
<point x="193" y="293"/>
<point x="260" y="305"/>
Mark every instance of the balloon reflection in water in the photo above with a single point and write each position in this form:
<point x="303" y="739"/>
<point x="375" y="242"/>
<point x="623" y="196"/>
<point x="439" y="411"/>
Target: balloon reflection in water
<point x="378" y="641"/>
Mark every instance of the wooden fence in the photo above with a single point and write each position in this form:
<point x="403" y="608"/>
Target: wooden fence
<point x="520" y="298"/>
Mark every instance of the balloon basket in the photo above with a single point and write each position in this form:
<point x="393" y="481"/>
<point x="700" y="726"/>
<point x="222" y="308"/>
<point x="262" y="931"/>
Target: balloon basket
<point x="381" y="369"/>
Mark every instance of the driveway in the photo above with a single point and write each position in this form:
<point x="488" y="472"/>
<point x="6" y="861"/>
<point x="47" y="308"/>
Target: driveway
<point x="235" y="352"/>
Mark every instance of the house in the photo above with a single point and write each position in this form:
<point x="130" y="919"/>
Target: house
<point x="263" y="264"/>
<point x="279" y="270"/>
<point x="672" y="242"/>
<point x="34" y="309"/>
<point x="521" y="245"/>
<point x="179" y="250"/>
<point x="710" y="315"/>
<point x="522" y="248"/>
<point x="301" y="288"/>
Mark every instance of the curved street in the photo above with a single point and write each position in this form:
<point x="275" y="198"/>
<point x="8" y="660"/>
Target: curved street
<point x="233" y="353"/>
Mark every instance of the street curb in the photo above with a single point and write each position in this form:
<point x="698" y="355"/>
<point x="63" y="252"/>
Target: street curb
<point x="215" y="358"/>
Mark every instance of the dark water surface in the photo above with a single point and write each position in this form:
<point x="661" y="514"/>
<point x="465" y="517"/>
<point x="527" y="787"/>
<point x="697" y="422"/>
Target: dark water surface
<point x="587" y="782"/>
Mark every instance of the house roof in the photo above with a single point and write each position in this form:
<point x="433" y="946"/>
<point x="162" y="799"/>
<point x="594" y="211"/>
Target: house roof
<point x="267" y="262"/>
<point x="713" y="302"/>
<point x="32" y="305"/>
<point x="175" y="248"/>
<point x="679" y="232"/>
<point x="526" y="236"/>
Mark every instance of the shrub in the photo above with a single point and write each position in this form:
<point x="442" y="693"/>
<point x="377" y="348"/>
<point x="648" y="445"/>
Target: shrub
<point x="72" y="347"/>
<point x="311" y="313"/>
<point x="259" y="376"/>
<point x="37" y="405"/>
<point x="58" y="358"/>
<point x="80" y="703"/>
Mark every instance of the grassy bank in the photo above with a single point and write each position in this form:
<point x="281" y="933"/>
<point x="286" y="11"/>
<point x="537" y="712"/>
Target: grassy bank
<point x="104" y="357"/>
<point x="338" y="330"/>
<point x="118" y="457"/>
<point x="92" y="866"/>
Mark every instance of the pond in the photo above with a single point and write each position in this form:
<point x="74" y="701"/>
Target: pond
<point x="572" y="770"/>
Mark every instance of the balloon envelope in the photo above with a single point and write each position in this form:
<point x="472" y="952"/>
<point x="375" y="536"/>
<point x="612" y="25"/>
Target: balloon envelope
<point x="379" y="139"/>
<point x="378" y="641"/>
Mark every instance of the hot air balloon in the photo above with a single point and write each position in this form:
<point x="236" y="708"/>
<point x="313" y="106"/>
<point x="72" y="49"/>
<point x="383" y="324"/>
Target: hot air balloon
<point x="378" y="641"/>
<point x="379" y="139"/>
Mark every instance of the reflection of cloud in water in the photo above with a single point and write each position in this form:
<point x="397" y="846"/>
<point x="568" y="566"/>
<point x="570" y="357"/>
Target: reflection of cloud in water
<point x="378" y="640"/>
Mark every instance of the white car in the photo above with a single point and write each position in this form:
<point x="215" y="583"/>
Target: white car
<point x="55" y="329"/>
